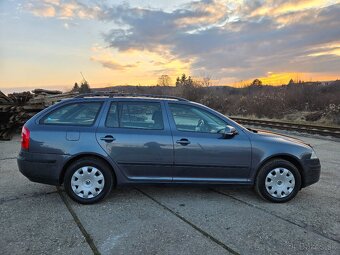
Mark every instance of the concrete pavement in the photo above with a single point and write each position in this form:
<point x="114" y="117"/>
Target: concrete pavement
<point x="39" y="219"/>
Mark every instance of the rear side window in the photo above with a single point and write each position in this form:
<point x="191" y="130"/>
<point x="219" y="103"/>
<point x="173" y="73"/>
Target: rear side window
<point x="139" y="115"/>
<point x="82" y="114"/>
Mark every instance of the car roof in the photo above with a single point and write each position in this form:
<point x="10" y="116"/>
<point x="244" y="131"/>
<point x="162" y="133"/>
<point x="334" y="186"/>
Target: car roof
<point x="128" y="96"/>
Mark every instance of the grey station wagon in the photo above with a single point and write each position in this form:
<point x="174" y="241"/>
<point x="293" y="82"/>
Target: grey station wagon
<point x="95" y="142"/>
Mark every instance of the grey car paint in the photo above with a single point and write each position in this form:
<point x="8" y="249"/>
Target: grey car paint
<point x="141" y="154"/>
<point x="208" y="157"/>
<point x="149" y="156"/>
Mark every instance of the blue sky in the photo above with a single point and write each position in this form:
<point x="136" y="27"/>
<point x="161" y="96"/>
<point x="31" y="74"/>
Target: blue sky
<point x="48" y="43"/>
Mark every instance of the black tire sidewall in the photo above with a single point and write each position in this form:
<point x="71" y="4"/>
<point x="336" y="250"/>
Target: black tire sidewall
<point x="106" y="171"/>
<point x="260" y="180"/>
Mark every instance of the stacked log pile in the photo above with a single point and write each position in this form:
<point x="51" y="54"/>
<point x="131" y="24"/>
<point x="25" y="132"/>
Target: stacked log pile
<point x="17" y="108"/>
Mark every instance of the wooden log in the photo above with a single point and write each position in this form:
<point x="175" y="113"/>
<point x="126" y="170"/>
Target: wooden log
<point x="46" y="91"/>
<point x="5" y="108"/>
<point x="6" y="135"/>
<point x="4" y="98"/>
<point x="17" y="108"/>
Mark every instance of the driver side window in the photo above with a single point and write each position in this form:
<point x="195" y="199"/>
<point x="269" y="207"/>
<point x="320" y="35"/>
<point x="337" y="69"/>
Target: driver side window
<point x="193" y="119"/>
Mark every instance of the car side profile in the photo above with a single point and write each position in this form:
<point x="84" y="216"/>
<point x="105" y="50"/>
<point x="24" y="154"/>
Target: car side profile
<point x="93" y="143"/>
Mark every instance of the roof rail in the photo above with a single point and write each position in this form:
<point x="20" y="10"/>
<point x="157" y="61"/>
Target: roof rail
<point x="115" y="94"/>
<point x="96" y="94"/>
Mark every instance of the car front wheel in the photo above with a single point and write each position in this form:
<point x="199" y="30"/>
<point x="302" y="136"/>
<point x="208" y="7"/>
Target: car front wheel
<point x="88" y="180"/>
<point x="278" y="181"/>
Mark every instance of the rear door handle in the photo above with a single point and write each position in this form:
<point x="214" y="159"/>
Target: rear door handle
<point x="108" y="138"/>
<point x="183" y="141"/>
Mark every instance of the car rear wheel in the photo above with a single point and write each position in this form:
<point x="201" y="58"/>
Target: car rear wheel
<point x="278" y="181"/>
<point x="88" y="180"/>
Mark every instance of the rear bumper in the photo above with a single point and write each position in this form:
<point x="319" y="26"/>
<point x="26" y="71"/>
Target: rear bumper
<point x="42" y="168"/>
<point x="311" y="172"/>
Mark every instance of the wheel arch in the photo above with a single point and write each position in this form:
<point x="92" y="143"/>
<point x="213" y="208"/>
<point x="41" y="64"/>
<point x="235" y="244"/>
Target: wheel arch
<point x="290" y="158"/>
<point x="84" y="155"/>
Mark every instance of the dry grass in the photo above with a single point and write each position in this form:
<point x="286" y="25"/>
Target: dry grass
<point x="305" y="102"/>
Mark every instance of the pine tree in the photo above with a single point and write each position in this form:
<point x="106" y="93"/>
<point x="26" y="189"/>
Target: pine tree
<point x="75" y="87"/>
<point x="84" y="88"/>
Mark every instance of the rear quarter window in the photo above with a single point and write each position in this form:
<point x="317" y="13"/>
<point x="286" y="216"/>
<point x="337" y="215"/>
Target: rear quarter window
<point x="80" y="114"/>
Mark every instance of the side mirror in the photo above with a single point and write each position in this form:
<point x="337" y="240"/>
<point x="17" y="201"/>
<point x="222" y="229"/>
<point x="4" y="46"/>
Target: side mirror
<point x="229" y="132"/>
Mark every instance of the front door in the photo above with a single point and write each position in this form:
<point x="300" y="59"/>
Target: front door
<point x="137" y="136"/>
<point x="201" y="153"/>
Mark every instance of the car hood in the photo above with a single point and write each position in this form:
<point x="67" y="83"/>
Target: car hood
<point x="281" y="137"/>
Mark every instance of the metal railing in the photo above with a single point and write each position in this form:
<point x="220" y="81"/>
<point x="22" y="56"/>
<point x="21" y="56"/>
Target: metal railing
<point x="308" y="128"/>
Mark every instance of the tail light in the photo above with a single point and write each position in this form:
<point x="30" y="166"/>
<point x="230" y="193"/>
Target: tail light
<point x="25" y="138"/>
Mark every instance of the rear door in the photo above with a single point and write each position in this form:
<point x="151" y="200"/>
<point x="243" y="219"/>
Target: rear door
<point x="137" y="136"/>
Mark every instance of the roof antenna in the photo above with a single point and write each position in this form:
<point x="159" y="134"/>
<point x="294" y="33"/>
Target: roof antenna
<point x="84" y="80"/>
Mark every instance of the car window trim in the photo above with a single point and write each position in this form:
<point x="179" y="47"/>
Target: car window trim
<point x="41" y="121"/>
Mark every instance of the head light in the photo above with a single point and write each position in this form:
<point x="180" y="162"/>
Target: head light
<point x="313" y="155"/>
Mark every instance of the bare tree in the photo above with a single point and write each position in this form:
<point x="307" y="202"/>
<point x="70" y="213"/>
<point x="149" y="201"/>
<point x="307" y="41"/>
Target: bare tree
<point x="164" y="80"/>
<point x="206" y="81"/>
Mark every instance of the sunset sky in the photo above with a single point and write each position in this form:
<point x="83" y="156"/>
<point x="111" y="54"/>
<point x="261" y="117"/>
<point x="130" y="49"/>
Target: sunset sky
<point x="47" y="43"/>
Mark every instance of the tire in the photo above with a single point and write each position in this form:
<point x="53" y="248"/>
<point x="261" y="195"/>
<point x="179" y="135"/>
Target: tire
<point x="278" y="181"/>
<point x="88" y="180"/>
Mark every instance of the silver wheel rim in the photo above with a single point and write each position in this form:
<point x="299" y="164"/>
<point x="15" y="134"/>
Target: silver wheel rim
<point x="87" y="182"/>
<point x="280" y="182"/>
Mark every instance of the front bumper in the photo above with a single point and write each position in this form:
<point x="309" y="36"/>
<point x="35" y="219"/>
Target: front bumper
<point x="42" y="168"/>
<point x="312" y="169"/>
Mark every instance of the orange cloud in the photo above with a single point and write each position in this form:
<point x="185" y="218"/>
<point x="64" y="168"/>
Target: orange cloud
<point x="138" y="66"/>
<point x="42" y="11"/>
<point x="326" y="49"/>
<point x="113" y="65"/>
<point x="204" y="13"/>
<point x="272" y="8"/>
<point x="62" y="10"/>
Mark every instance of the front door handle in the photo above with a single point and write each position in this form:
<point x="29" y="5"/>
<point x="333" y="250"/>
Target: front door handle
<point x="108" y="138"/>
<point x="183" y="141"/>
